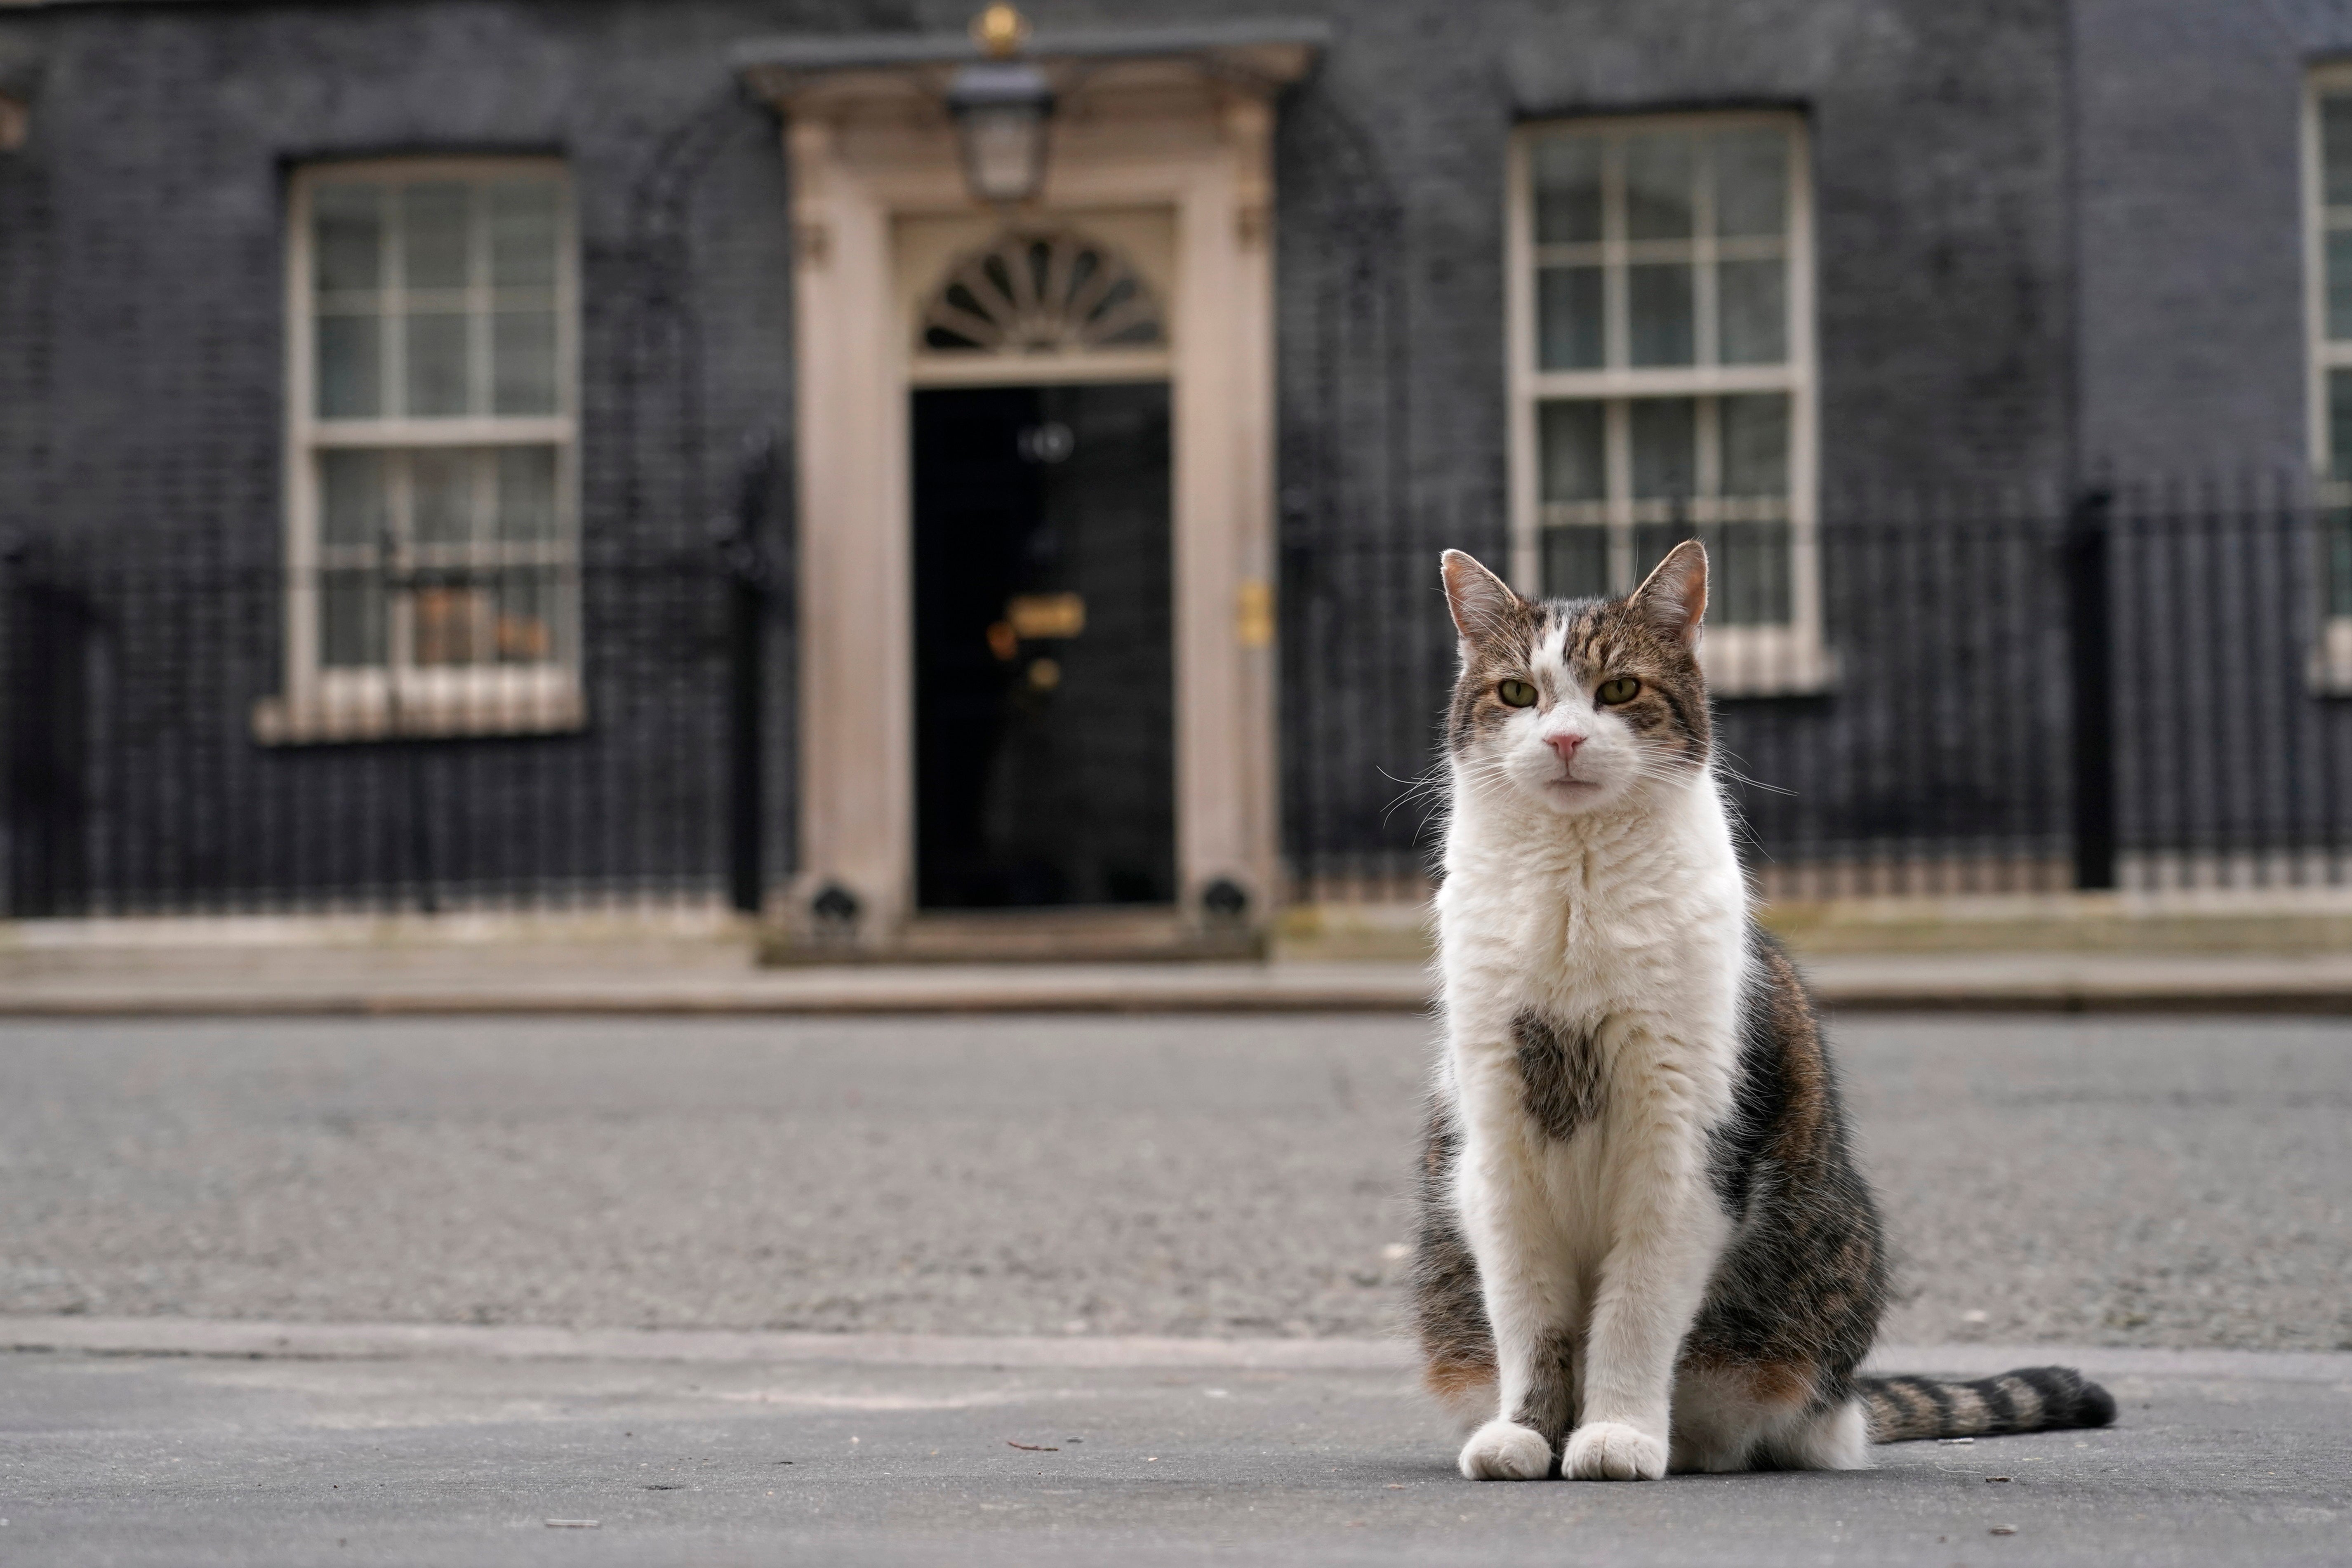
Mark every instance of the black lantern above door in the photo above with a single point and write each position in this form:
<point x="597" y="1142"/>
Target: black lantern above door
<point x="1001" y="107"/>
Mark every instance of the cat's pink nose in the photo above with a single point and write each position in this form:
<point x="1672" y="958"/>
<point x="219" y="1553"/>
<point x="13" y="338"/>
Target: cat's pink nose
<point x="1566" y="746"/>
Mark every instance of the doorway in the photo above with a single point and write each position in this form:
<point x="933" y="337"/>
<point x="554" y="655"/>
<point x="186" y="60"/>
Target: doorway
<point x="1044" y="686"/>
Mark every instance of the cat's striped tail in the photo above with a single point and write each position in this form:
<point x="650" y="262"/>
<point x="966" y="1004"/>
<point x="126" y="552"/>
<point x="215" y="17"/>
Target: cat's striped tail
<point x="2031" y="1399"/>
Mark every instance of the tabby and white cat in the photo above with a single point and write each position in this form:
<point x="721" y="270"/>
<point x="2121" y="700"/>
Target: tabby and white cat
<point x="1644" y="1245"/>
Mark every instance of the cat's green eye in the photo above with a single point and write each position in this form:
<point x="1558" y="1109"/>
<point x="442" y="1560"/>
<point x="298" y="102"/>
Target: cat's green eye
<point x="1619" y="690"/>
<point x="1517" y="693"/>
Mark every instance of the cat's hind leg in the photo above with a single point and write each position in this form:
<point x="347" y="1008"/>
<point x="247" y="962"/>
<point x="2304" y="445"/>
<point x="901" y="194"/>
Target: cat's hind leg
<point x="1748" y="1415"/>
<point x="1717" y="1421"/>
<point x="1836" y="1438"/>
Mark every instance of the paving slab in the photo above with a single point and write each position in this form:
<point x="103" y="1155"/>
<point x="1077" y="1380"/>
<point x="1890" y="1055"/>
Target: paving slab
<point x="907" y="1458"/>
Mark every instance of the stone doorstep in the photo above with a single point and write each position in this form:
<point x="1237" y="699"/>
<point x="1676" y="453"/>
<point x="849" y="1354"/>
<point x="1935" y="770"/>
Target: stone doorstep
<point x="1115" y="934"/>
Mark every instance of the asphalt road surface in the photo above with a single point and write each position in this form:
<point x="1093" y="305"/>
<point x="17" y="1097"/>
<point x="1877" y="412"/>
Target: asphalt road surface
<point x="2116" y="1182"/>
<point x="189" y="1461"/>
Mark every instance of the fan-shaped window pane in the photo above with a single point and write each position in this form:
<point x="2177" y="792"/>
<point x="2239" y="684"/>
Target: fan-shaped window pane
<point x="1027" y="293"/>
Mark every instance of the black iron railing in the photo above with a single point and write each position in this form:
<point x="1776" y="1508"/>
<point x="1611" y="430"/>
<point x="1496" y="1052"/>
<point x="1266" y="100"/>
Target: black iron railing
<point x="2138" y="689"/>
<point x="179" y="741"/>
<point x="2143" y="688"/>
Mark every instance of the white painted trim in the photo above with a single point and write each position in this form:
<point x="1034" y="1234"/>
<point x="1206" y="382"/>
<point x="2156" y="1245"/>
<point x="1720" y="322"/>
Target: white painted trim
<point x="1037" y="370"/>
<point x="1749" y="660"/>
<point x="316" y="704"/>
<point x="2331" y="660"/>
<point x="859" y="166"/>
<point x="344" y="705"/>
<point x="2318" y="357"/>
<point x="500" y="430"/>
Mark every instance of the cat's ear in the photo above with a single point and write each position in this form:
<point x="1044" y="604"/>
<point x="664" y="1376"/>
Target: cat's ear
<point x="1673" y="596"/>
<point x="1484" y="605"/>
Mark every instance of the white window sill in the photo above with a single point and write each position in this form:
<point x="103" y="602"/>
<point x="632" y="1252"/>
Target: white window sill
<point x="2331" y="661"/>
<point x="1766" y="661"/>
<point x="339" y="706"/>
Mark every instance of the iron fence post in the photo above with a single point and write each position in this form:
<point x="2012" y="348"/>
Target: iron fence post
<point x="2090" y="631"/>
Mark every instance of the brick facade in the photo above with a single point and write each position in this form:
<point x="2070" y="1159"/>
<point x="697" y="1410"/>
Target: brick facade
<point x="2048" y="236"/>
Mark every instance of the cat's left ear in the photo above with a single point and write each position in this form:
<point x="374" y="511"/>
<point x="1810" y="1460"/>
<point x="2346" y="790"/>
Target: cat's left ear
<point x="1673" y="596"/>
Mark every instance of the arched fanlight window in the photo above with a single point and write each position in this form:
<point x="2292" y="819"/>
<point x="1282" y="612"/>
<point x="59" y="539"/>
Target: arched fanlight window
<point x="1028" y="291"/>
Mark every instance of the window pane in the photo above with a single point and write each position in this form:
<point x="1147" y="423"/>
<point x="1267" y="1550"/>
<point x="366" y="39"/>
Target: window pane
<point x="351" y="619"/>
<point x="1749" y="567"/>
<point x="441" y="496"/>
<point x="1754" y="327"/>
<point x="1575" y="562"/>
<point x="437" y="364"/>
<point x="350" y="498"/>
<point x="2336" y="149"/>
<point x="522" y="362"/>
<point x="1755" y="431"/>
<point x="1575" y="465"/>
<point x="433" y="235"/>
<point x="2339" y="283"/>
<point x="526" y="493"/>
<point x="1658" y="171"/>
<point x="524" y="632"/>
<point x="1751" y="181"/>
<point x="1568" y="190"/>
<point x="451" y="623"/>
<point x="1665" y="455"/>
<point x="2336" y="539"/>
<point x="347" y="238"/>
<point x="523" y="215"/>
<point x="2339" y="424"/>
<point x="1567" y="318"/>
<point x="1659" y="297"/>
<point x="350" y="367"/>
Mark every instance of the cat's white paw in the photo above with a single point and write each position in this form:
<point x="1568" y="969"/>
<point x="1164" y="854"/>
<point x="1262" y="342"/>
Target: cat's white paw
<point x="1611" y="1451"/>
<point x="1506" y="1451"/>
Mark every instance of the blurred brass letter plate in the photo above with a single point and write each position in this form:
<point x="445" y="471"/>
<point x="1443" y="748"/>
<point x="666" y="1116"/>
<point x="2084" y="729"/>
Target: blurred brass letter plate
<point x="1046" y="615"/>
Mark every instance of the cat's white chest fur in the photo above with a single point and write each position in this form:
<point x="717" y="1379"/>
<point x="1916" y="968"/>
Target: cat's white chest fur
<point x="1635" y="914"/>
<point x="1623" y="933"/>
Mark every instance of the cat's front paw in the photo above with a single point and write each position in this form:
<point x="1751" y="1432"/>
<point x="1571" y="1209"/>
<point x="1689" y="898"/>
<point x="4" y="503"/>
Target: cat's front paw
<point x="1506" y="1451"/>
<point x="1611" y="1451"/>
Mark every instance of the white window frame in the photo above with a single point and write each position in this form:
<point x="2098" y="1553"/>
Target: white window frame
<point x="320" y="704"/>
<point x="2331" y="670"/>
<point x="1740" y="660"/>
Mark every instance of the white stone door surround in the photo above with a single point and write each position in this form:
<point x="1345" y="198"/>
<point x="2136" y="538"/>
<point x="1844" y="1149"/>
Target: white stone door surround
<point x="1174" y="145"/>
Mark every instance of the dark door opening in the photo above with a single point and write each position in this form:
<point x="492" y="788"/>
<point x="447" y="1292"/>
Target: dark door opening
<point x="1044" y="691"/>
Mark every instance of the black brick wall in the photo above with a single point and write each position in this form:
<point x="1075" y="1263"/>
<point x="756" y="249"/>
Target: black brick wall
<point x="141" y="289"/>
<point x="2191" y="229"/>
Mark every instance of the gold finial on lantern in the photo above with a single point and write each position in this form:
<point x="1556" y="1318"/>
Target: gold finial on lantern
<point x="1000" y="31"/>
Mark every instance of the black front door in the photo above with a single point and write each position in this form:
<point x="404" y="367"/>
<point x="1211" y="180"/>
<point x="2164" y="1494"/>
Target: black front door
<point x="1044" y="685"/>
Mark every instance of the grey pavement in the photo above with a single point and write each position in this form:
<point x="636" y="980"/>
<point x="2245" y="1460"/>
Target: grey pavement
<point x="882" y="1456"/>
<point x="2104" y="1182"/>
